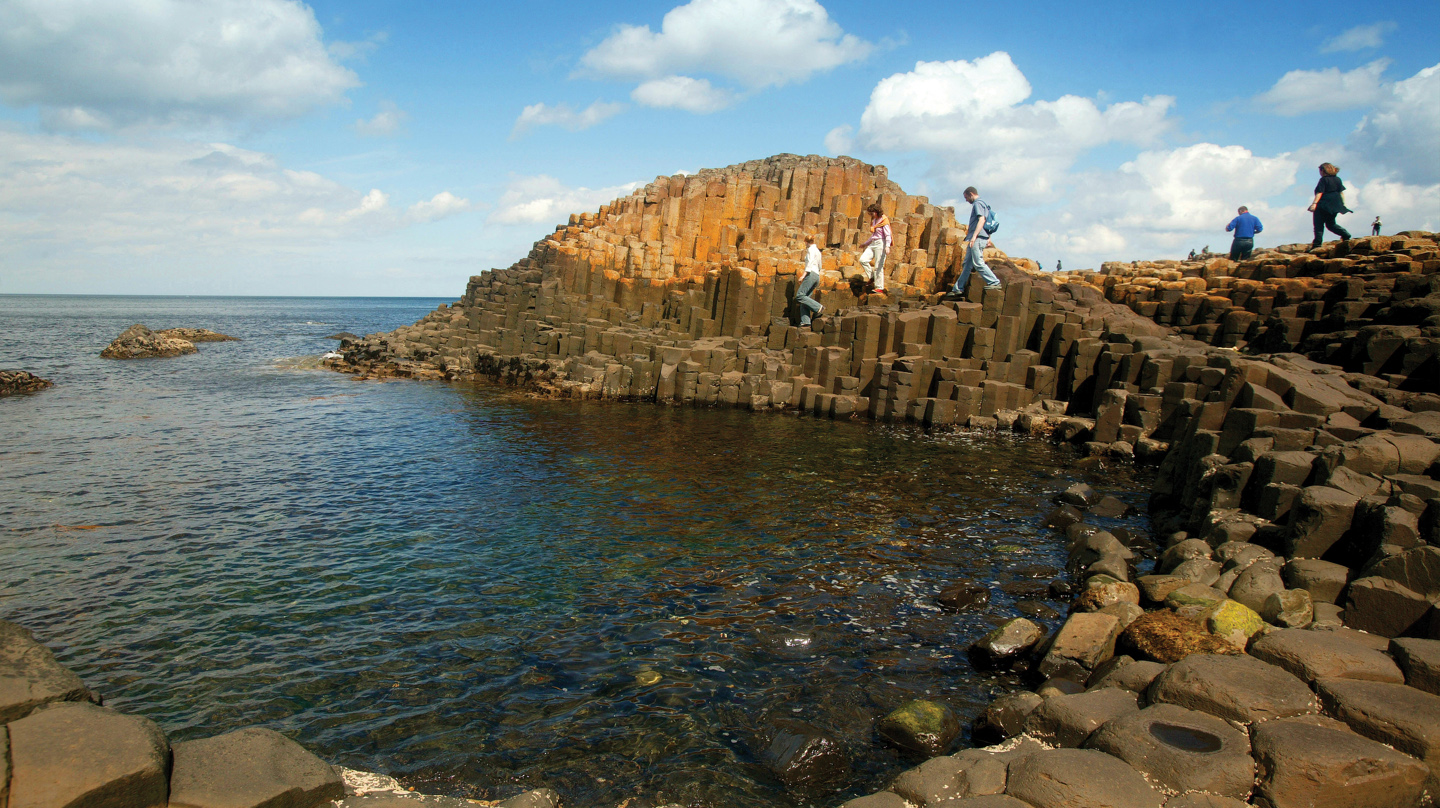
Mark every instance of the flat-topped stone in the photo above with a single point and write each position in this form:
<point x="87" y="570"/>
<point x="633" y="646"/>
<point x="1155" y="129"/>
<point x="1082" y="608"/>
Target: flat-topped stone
<point x="1200" y="799"/>
<point x="1394" y="714"/>
<point x="1420" y="662"/>
<point x="1313" y="655"/>
<point x="250" y="768"/>
<point x="1312" y="761"/>
<point x="1183" y="750"/>
<point x="1069" y="720"/>
<point x="1238" y="688"/>
<point x="1086" y="640"/>
<point x="969" y="773"/>
<point x="77" y="754"/>
<point x="1071" y="778"/>
<point x="30" y="676"/>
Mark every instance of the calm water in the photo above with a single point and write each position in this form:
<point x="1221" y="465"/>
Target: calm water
<point x="480" y="593"/>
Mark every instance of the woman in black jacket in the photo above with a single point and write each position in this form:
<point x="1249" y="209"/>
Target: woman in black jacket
<point x="1329" y="201"/>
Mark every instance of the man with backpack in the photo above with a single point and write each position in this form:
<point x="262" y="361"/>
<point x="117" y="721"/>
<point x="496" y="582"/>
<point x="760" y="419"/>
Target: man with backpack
<point x="977" y="237"/>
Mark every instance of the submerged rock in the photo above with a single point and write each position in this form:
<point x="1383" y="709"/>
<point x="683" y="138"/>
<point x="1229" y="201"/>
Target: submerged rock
<point x="802" y="755"/>
<point x="926" y="727"/>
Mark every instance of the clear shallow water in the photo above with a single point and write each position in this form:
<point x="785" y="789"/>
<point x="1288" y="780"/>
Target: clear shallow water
<point x="480" y="593"/>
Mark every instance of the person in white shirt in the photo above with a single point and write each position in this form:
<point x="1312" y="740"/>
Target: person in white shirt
<point x="809" y="279"/>
<point x="875" y="248"/>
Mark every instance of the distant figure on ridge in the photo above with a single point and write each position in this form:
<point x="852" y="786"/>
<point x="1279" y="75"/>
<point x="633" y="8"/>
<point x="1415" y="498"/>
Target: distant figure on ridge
<point x="1057" y="265"/>
<point x="976" y="240"/>
<point x="1205" y="250"/>
<point x="1375" y="227"/>
<point x="809" y="279"/>
<point x="1192" y="254"/>
<point x="1245" y="225"/>
<point x="1329" y="202"/>
<point x="875" y="248"/>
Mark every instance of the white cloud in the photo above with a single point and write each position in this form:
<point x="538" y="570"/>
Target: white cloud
<point x="1304" y="91"/>
<point x="758" y="43"/>
<point x="1402" y="206"/>
<point x="1360" y="37"/>
<point x="840" y="140"/>
<point x="386" y="122"/>
<point x="126" y="62"/>
<point x="544" y="199"/>
<point x="1403" y="130"/>
<point x="346" y="51"/>
<point x="440" y="206"/>
<point x="970" y="119"/>
<point x="563" y="116"/>
<point x="683" y="92"/>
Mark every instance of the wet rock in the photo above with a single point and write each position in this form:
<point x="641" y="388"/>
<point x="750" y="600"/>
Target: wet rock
<point x="1069" y="720"/>
<point x="1005" y="717"/>
<point x="1135" y="676"/>
<point x="1403" y="717"/>
<point x="1313" y="655"/>
<point x="1126" y="613"/>
<point x="250" y="768"/>
<point x="18" y="382"/>
<point x="1156" y="587"/>
<point x="30" y="676"/>
<point x="1007" y="642"/>
<point x="1288" y="608"/>
<point x="1035" y="609"/>
<point x="1086" y="640"/>
<point x="970" y="773"/>
<point x="1420" y="662"/>
<point x="1070" y="778"/>
<point x="1063" y="517"/>
<point x="1181" y="749"/>
<point x="1096" y="598"/>
<point x="1323" y="580"/>
<point x="1383" y="607"/>
<point x="1196" y="595"/>
<point x="1167" y="637"/>
<point x="921" y="726"/>
<point x="962" y="595"/>
<point x="802" y="755"/>
<point x="1109" y="508"/>
<point x="539" y="798"/>
<point x="139" y="342"/>
<point x="1313" y="761"/>
<point x="406" y="800"/>
<point x="72" y="753"/>
<point x="1059" y="686"/>
<point x="1237" y="688"/>
<point x="1078" y="495"/>
<point x="1259" y="581"/>
<point x="1233" y="622"/>
<point x="1060" y="589"/>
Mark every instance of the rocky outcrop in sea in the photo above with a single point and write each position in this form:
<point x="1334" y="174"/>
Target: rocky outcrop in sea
<point x="16" y="382"/>
<point x="139" y="342"/>
<point x="1279" y="648"/>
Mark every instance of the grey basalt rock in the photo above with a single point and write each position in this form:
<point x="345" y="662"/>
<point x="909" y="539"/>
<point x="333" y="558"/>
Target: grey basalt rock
<point x="1325" y="581"/>
<point x="1319" y="518"/>
<point x="1071" y="778"/>
<point x="1237" y="688"/>
<point x="1288" y="608"/>
<point x="1135" y="676"/>
<point x="970" y="773"/>
<point x="1259" y="581"/>
<point x="139" y="342"/>
<point x="30" y="676"/>
<point x="1384" y="607"/>
<point x="77" y="754"/>
<point x="881" y="799"/>
<point x="1007" y="642"/>
<point x="1181" y="749"/>
<point x="1086" y="640"/>
<point x="1313" y="655"/>
<point x="1069" y="720"/>
<point x="250" y="768"/>
<point x="1403" y="717"/>
<point x="1312" y="761"/>
<point x="1005" y="717"/>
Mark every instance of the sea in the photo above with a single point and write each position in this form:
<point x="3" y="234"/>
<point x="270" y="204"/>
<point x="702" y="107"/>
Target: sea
<point x="479" y="592"/>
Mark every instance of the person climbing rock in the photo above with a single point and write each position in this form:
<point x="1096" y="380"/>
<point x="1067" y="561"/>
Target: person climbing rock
<point x="1245" y="226"/>
<point x="1329" y="202"/>
<point x="875" y="248"/>
<point x="809" y="279"/>
<point x="976" y="240"/>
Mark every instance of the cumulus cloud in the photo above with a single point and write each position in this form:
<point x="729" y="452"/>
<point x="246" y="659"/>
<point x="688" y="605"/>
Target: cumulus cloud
<point x="970" y="117"/>
<point x="127" y="62"/>
<point x="1361" y="37"/>
<point x="545" y="200"/>
<point x="683" y="92"/>
<point x="840" y="140"/>
<point x="1402" y="132"/>
<point x="1300" y="92"/>
<point x="437" y="207"/>
<point x="563" y="116"/>
<point x="759" y="43"/>
<point x="386" y="122"/>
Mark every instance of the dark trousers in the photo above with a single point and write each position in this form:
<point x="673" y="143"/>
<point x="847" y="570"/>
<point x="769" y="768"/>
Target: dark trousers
<point x="1241" y="248"/>
<point x="1374" y="229"/>
<point x="1326" y="221"/>
<point x="806" y="304"/>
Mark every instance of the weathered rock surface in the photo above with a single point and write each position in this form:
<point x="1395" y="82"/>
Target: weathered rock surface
<point x="970" y="773"/>
<point x="1313" y="655"/>
<point x="16" y="382"/>
<point x="1403" y="717"/>
<point x="250" y="768"/>
<point x="1420" y="661"/>
<point x="961" y="595"/>
<point x="1072" y="778"/>
<point x="1181" y="749"/>
<point x="1238" y="688"/>
<point x="139" y="342"/>
<point x="925" y="727"/>
<point x="1069" y="720"/>
<point x="77" y="754"/>
<point x="1164" y="636"/>
<point x="1086" y="640"/>
<point x="1312" y="761"/>
<point x="1007" y="642"/>
<point x="1005" y="717"/>
<point x="30" y="676"/>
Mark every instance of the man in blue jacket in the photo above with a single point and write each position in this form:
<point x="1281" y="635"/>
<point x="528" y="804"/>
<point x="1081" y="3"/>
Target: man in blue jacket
<point x="1245" y="226"/>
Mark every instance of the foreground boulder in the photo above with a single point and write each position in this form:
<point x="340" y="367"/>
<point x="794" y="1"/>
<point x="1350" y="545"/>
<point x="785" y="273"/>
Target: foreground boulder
<point x="1070" y="778"/>
<point x="30" y="676"/>
<point x="1238" y="688"/>
<point x="925" y="727"/>
<point x="1313" y="761"/>
<point x="15" y="382"/>
<point x="139" y="342"/>
<point x="250" y="768"/>
<point x="76" y="754"/>
<point x="1181" y="749"/>
<point x="801" y="755"/>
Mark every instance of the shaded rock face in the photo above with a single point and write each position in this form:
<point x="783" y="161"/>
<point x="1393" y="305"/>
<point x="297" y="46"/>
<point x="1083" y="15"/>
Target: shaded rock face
<point x="30" y="676"/>
<point x="252" y="766"/>
<point x="924" y="727"/>
<point x="139" y="342"/>
<point x="15" y="382"/>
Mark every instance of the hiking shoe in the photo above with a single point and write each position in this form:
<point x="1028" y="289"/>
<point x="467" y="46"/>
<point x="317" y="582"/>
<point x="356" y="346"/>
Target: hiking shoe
<point x="820" y="311"/>
<point x="994" y="286"/>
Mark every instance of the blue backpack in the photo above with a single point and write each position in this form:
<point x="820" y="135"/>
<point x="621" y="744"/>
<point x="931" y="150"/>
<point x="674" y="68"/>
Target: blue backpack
<point x="992" y="222"/>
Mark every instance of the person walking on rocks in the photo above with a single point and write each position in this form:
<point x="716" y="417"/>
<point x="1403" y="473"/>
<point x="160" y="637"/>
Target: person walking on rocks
<point x="809" y="279"/>
<point x="1245" y="225"/>
<point x="1375" y="227"/>
<point x="875" y="248"/>
<point x="976" y="240"/>
<point x="1329" y="202"/>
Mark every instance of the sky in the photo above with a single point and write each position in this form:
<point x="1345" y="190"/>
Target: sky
<point x="378" y="147"/>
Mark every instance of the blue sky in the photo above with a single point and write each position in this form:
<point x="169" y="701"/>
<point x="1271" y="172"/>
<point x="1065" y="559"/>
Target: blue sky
<point x="274" y="147"/>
